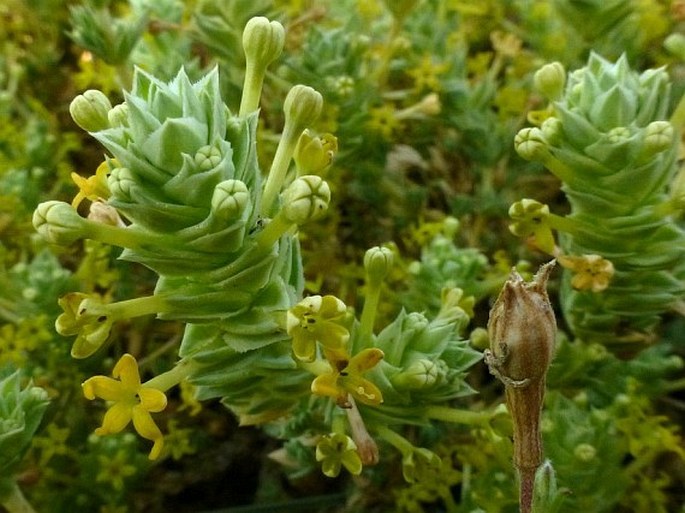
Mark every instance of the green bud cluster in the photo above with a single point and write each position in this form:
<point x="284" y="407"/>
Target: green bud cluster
<point x="425" y="363"/>
<point x="615" y="152"/>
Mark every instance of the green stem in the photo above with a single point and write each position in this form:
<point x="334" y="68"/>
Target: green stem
<point x="558" y="168"/>
<point x="137" y="307"/>
<point x="563" y="224"/>
<point x="272" y="232"/>
<point x="252" y="88"/>
<point x="400" y="443"/>
<point x="172" y="377"/>
<point x="123" y="237"/>
<point x="15" y="502"/>
<point x="455" y="416"/>
<point x="373" y="294"/>
<point x="279" y="166"/>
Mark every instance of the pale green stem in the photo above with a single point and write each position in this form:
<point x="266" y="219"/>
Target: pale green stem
<point x="15" y="502"/>
<point x="400" y="443"/>
<point x="272" y="232"/>
<point x="123" y="237"/>
<point x="172" y="377"/>
<point x="563" y="224"/>
<point x="137" y="307"/>
<point x="558" y="168"/>
<point x="252" y="88"/>
<point x="373" y="294"/>
<point x="279" y="166"/>
<point x="455" y="416"/>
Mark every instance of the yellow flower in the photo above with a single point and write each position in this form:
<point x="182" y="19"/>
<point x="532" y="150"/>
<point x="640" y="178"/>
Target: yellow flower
<point x="531" y="219"/>
<point x="590" y="272"/>
<point x="115" y="469"/>
<point x="335" y="451"/>
<point x="346" y="378"/>
<point x="132" y="401"/>
<point x="94" y="187"/>
<point x="426" y="74"/>
<point x="384" y="121"/>
<point x="317" y="319"/>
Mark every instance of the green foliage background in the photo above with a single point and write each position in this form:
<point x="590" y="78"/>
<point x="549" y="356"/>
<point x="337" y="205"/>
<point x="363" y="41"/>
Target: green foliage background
<point x="613" y="419"/>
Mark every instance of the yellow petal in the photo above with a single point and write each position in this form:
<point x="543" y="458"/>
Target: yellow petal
<point x="103" y="387"/>
<point x="363" y="390"/>
<point x="116" y="419"/>
<point x="146" y="427"/>
<point x="152" y="399"/>
<point x="364" y="360"/>
<point x="127" y="370"/>
<point x="327" y="385"/>
<point x="304" y="346"/>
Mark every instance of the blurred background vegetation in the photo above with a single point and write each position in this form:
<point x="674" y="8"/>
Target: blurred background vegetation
<point x="425" y="97"/>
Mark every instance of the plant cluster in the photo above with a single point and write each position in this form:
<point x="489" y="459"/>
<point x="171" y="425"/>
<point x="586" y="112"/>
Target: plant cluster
<point x="297" y="240"/>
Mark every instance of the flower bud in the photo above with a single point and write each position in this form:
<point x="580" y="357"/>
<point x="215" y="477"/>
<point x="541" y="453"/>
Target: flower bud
<point x="377" y="263"/>
<point x="422" y="373"/>
<point x="522" y="327"/>
<point x="208" y="157"/>
<point x="585" y="452"/>
<point x="550" y="80"/>
<point x="103" y="213"/>
<point x="306" y="199"/>
<point x="122" y="182"/>
<point x="530" y="144"/>
<point x="302" y="107"/>
<point x="659" y="136"/>
<point x="58" y="222"/>
<point x="263" y="40"/>
<point x="314" y="154"/>
<point x="118" y="115"/>
<point x="89" y="110"/>
<point x="230" y="199"/>
<point x="546" y="495"/>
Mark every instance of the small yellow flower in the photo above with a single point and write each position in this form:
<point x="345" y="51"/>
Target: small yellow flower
<point x="531" y="218"/>
<point x="317" y="319"/>
<point x="132" y="401"/>
<point x="590" y="272"/>
<point x="426" y="74"/>
<point x="346" y="378"/>
<point x="94" y="187"/>
<point x="337" y="450"/>
<point x="85" y="315"/>
<point x="384" y="121"/>
<point x="115" y="469"/>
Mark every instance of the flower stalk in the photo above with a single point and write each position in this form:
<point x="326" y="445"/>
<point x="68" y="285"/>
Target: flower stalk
<point x="522" y="332"/>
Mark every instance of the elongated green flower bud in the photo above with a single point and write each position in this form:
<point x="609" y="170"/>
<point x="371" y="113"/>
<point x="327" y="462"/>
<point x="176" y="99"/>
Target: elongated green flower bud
<point x="58" y="222"/>
<point x="90" y="110"/>
<point x="263" y="42"/>
<point x="550" y="80"/>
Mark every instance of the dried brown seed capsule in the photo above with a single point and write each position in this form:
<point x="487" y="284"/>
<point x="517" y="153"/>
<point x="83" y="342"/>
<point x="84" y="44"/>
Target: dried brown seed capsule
<point x="522" y="331"/>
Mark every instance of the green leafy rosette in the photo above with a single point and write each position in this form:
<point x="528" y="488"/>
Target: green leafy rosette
<point x="425" y="363"/>
<point x="608" y="140"/>
<point x="21" y="410"/>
